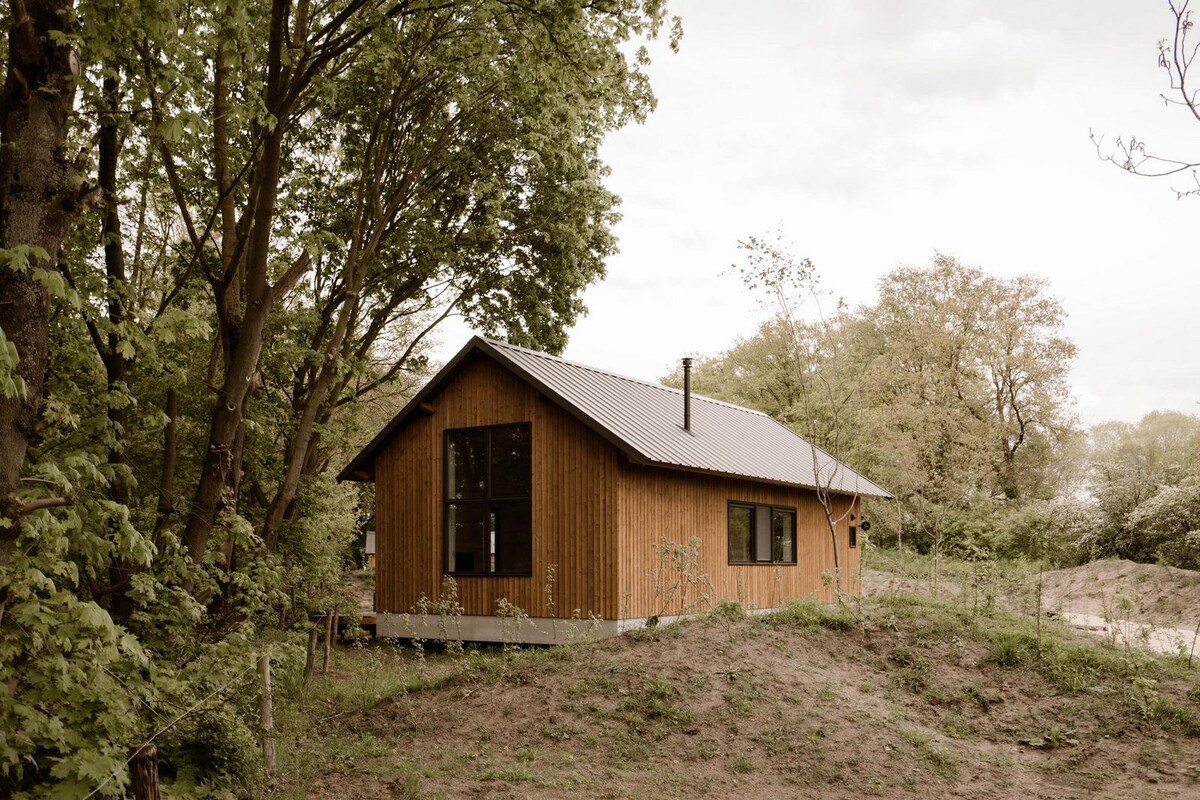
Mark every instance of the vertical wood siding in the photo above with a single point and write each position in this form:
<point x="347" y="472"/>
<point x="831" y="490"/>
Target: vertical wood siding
<point x="596" y="518"/>
<point x="658" y="504"/>
<point x="574" y="504"/>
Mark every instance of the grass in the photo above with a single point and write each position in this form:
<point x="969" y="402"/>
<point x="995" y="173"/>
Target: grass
<point x="809" y="614"/>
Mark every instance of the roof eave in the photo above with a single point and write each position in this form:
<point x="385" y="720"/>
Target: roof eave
<point x="882" y="494"/>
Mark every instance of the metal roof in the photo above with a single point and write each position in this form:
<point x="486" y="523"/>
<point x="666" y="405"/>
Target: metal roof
<point x="644" y="421"/>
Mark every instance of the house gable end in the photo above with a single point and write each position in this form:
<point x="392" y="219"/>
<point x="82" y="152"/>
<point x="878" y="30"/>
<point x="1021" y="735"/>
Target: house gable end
<point x="362" y="466"/>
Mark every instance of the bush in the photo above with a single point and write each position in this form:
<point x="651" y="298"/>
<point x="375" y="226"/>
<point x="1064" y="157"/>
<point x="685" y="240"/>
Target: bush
<point x="1054" y="531"/>
<point x="214" y="749"/>
<point x="1168" y="524"/>
<point x="728" y="610"/>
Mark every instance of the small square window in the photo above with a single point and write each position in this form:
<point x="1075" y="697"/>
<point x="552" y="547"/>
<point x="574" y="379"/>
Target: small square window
<point x="761" y="534"/>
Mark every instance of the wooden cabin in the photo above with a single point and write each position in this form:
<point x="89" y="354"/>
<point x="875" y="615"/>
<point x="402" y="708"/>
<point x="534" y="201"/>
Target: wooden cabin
<point x="518" y="480"/>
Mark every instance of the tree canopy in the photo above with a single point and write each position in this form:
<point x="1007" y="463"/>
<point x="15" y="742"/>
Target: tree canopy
<point x="950" y="390"/>
<point x="230" y="231"/>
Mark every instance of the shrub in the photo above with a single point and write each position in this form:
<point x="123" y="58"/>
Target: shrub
<point x="728" y="610"/>
<point x="1169" y="524"/>
<point x="213" y="748"/>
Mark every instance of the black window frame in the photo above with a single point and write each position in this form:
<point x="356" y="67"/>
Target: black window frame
<point x="854" y="536"/>
<point x="487" y="501"/>
<point x="769" y="509"/>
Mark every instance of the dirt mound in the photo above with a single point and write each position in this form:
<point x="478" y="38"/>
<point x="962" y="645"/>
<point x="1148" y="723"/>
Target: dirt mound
<point x="911" y="700"/>
<point x="1126" y="590"/>
<point x="1111" y="588"/>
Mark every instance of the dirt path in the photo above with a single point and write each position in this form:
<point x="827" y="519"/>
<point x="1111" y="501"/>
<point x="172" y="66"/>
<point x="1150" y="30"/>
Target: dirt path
<point x="1159" y="638"/>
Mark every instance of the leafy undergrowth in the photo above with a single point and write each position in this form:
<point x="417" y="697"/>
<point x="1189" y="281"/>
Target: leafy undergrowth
<point x="905" y="697"/>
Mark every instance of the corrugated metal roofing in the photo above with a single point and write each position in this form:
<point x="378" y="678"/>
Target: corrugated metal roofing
<point x="645" y="420"/>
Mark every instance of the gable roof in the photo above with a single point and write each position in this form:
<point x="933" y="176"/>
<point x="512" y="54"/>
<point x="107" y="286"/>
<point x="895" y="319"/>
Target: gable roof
<point x="643" y="420"/>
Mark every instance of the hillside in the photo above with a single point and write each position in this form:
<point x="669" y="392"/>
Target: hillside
<point x="905" y="697"/>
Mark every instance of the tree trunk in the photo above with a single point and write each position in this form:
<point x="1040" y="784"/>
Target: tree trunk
<point x="143" y="773"/>
<point x="166" y="480"/>
<point x="218" y="469"/>
<point x="39" y="197"/>
<point x="242" y="340"/>
<point x="116" y="365"/>
<point x="297" y="451"/>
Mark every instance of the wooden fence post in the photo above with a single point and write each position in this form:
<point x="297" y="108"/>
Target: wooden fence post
<point x="328" y="641"/>
<point x="310" y="663"/>
<point x="268" y="719"/>
<point x="143" y="773"/>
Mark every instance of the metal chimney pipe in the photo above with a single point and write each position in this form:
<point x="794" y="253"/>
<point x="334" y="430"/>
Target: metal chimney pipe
<point x="687" y="394"/>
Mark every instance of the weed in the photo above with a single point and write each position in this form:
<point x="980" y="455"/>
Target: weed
<point x="707" y="749"/>
<point x="827" y="694"/>
<point x="740" y="765"/>
<point x="875" y="788"/>
<point x="1011" y="650"/>
<point x="512" y="619"/>
<point x="957" y="726"/>
<point x="449" y="613"/>
<point x="728" y="613"/>
<point x="658" y="700"/>
<point x="1053" y="739"/>
<point x="514" y="774"/>
<point x="560" y="733"/>
<point x="408" y="785"/>
<point x="914" y="678"/>
<point x="941" y="763"/>
<point x="776" y="742"/>
<point x="601" y="684"/>
<point x="913" y="737"/>
<point x="728" y="610"/>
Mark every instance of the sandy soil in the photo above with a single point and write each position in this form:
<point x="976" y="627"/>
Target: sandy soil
<point x="1141" y="592"/>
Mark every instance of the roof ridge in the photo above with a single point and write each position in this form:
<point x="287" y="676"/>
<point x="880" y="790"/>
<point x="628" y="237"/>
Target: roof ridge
<point x="619" y="376"/>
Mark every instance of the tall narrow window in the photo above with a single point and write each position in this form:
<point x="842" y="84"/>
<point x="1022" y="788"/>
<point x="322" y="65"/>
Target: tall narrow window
<point x="760" y="534"/>
<point x="783" y="536"/>
<point x="741" y="533"/>
<point x="488" y="517"/>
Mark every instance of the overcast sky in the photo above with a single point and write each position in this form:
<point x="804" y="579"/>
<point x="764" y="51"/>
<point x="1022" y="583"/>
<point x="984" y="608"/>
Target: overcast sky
<point x="874" y="134"/>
